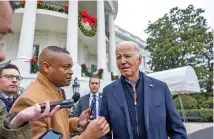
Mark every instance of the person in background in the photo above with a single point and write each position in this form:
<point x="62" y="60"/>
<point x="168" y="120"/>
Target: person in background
<point x="9" y="83"/>
<point x="137" y="106"/>
<point x="94" y="94"/>
<point x="15" y="125"/>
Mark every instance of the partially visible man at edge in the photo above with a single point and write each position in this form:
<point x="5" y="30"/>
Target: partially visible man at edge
<point x="15" y="126"/>
<point x="137" y="106"/>
<point x="55" y="71"/>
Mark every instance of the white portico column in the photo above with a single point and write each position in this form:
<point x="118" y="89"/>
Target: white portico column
<point x="26" y="37"/>
<point x="112" y="44"/>
<point x="72" y="42"/>
<point x="72" y="29"/>
<point x="101" y="41"/>
<point x="72" y="36"/>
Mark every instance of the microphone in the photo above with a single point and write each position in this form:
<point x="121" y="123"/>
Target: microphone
<point x="76" y="97"/>
<point x="63" y="104"/>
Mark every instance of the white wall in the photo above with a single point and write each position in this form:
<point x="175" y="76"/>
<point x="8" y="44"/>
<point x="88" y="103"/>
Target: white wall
<point x="81" y="52"/>
<point x="11" y="42"/>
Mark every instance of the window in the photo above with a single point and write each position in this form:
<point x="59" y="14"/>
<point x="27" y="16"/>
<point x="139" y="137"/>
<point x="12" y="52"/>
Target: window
<point x="34" y="63"/>
<point x="93" y="68"/>
<point x="35" y="51"/>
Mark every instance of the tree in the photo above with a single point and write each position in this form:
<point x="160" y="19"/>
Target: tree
<point x="182" y="37"/>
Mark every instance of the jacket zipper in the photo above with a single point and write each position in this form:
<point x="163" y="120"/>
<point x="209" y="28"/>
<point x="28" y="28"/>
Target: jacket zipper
<point x="135" y="104"/>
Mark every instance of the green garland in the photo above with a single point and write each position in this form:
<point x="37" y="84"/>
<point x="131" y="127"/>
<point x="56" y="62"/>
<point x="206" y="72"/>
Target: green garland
<point x="34" y="68"/>
<point x="89" y="74"/>
<point x="90" y="33"/>
<point x="20" y="5"/>
<point x="40" y="5"/>
<point x="113" y="77"/>
<point x="100" y="75"/>
<point x="85" y="71"/>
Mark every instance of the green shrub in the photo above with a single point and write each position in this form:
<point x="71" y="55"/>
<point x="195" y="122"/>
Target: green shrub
<point x="207" y="115"/>
<point x="187" y="101"/>
<point x="197" y="115"/>
<point x="207" y="103"/>
<point x="205" y="100"/>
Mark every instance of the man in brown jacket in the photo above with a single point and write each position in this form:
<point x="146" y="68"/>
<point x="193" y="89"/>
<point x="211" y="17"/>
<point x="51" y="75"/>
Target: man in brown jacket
<point x="55" y="71"/>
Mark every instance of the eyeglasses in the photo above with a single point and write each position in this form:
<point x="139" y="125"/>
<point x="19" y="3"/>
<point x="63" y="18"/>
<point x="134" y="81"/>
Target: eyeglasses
<point x="10" y="77"/>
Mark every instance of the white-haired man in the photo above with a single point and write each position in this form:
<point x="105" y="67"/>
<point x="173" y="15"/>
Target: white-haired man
<point x="137" y="106"/>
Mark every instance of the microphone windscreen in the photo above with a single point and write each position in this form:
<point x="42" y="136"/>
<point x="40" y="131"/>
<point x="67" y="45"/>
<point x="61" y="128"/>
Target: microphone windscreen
<point x="76" y="97"/>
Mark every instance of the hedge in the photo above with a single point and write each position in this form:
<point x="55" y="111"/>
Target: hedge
<point x="198" y="115"/>
<point x="187" y="101"/>
<point x="204" y="100"/>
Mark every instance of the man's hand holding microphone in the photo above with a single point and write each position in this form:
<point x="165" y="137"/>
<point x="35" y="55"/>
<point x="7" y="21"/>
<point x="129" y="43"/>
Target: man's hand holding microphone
<point x="96" y="129"/>
<point x="91" y="128"/>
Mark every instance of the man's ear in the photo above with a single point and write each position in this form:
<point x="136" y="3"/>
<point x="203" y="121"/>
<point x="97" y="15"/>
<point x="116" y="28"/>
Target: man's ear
<point x="46" y="67"/>
<point x="140" y="60"/>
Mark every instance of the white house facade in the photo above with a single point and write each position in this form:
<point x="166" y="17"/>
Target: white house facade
<point x="85" y="28"/>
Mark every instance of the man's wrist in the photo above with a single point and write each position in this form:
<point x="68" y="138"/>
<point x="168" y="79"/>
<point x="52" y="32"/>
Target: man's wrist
<point x="15" y="122"/>
<point x="85" y="135"/>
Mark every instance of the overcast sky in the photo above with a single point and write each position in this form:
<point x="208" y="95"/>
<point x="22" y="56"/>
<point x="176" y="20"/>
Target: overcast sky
<point x="133" y="15"/>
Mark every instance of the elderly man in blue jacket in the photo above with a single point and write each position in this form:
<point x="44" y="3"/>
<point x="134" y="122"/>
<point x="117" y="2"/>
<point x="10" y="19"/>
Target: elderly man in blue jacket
<point x="137" y="106"/>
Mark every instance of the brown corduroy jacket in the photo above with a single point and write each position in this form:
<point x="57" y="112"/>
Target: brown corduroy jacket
<point x="38" y="92"/>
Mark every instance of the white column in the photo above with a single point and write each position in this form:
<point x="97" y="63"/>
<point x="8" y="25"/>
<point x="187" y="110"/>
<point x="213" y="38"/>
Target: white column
<point x="112" y="44"/>
<point x="27" y="30"/>
<point x="26" y="37"/>
<point x="72" y="42"/>
<point x="101" y="40"/>
<point x="72" y="29"/>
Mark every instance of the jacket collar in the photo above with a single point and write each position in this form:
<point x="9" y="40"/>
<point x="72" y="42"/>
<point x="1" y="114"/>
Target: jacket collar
<point x="92" y="95"/>
<point x="2" y="95"/>
<point x="46" y="83"/>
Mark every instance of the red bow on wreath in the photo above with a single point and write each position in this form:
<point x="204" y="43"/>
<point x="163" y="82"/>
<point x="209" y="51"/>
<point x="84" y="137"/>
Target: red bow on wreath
<point x="88" y="18"/>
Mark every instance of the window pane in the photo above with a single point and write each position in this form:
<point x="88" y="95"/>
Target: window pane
<point x="35" y="51"/>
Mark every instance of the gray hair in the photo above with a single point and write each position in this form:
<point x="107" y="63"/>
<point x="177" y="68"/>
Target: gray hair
<point x="131" y="43"/>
